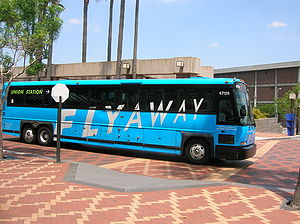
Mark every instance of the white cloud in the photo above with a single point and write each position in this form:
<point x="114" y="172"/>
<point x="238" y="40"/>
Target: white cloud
<point x="215" y="45"/>
<point x="277" y="24"/>
<point x="74" y="21"/>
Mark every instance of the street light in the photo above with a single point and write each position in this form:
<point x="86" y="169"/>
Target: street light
<point x="126" y="66"/>
<point x="276" y="106"/>
<point x="1" y="105"/>
<point x="179" y="64"/>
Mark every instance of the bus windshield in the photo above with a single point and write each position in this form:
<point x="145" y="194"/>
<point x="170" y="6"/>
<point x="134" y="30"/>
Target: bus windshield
<point x="243" y="104"/>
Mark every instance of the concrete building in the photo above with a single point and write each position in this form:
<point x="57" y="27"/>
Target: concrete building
<point x="266" y="81"/>
<point x="179" y="67"/>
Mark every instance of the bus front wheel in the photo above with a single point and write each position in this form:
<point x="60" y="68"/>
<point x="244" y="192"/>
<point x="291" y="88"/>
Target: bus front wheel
<point x="29" y="135"/>
<point x="197" y="151"/>
<point x="44" y="136"/>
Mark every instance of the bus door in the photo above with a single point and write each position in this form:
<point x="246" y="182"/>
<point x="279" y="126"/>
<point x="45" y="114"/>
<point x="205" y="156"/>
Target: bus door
<point x="226" y="116"/>
<point x="129" y="120"/>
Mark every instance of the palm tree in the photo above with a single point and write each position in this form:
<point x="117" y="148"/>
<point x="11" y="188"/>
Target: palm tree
<point x="50" y="47"/>
<point x="84" y="36"/>
<point x="111" y="10"/>
<point x="136" y="26"/>
<point x="120" y="39"/>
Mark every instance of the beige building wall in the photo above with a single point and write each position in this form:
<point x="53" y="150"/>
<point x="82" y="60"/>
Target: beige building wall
<point x="179" y="67"/>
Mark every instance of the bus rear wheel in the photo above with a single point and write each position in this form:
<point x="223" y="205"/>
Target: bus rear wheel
<point x="29" y="134"/>
<point x="197" y="152"/>
<point x="44" y="136"/>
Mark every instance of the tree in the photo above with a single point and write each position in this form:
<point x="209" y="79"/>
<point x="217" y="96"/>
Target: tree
<point x="84" y="33"/>
<point x="120" y="39"/>
<point x="27" y="27"/>
<point x="109" y="41"/>
<point x="296" y="197"/>
<point x="136" y="26"/>
<point x="284" y="103"/>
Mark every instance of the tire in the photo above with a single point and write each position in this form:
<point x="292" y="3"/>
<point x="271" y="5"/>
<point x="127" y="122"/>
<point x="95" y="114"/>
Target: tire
<point x="197" y="151"/>
<point x="44" y="136"/>
<point x="29" y="135"/>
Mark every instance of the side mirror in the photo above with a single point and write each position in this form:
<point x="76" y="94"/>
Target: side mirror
<point x="243" y="111"/>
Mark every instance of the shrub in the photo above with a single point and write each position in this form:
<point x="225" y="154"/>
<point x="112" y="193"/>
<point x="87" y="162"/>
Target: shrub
<point x="268" y="108"/>
<point x="258" y="114"/>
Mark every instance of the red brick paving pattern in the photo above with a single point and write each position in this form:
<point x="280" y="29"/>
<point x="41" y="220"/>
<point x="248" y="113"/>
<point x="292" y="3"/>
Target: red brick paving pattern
<point x="278" y="168"/>
<point x="147" y="167"/>
<point x="262" y="170"/>
<point x="172" y="170"/>
<point x="92" y="158"/>
<point x="168" y="169"/>
<point x="32" y="191"/>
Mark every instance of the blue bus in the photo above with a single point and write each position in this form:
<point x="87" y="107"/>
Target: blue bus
<point x="198" y="118"/>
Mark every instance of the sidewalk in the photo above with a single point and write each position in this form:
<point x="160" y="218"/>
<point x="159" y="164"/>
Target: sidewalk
<point x="34" y="189"/>
<point x="269" y="136"/>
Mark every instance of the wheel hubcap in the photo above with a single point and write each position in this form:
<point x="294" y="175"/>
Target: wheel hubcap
<point x="197" y="151"/>
<point x="44" y="136"/>
<point x="29" y="135"/>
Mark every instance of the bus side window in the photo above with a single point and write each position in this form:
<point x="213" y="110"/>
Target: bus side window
<point x="102" y="97"/>
<point x="225" y="111"/>
<point x="78" y="97"/>
<point x="157" y="96"/>
<point x="130" y="97"/>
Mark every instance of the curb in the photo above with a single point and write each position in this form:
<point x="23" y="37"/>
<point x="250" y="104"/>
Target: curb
<point x="276" y="138"/>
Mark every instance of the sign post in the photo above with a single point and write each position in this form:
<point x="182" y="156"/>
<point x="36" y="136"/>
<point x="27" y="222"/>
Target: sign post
<point x="59" y="93"/>
<point x="58" y="130"/>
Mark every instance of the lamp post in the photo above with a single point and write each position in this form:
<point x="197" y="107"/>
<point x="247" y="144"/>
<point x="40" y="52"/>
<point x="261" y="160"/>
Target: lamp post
<point x="1" y="107"/>
<point x="276" y="106"/>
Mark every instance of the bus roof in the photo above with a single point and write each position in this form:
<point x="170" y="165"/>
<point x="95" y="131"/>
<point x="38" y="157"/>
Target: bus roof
<point x="195" y="80"/>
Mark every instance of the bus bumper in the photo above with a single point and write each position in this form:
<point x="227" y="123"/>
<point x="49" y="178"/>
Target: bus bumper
<point x="235" y="152"/>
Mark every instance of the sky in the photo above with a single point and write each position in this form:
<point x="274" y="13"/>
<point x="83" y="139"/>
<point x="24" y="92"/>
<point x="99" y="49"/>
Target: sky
<point x="222" y="33"/>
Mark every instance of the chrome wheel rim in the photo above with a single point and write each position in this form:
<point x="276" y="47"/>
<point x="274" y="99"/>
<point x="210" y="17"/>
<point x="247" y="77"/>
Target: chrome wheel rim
<point x="197" y="151"/>
<point x="29" y="135"/>
<point x="44" y="136"/>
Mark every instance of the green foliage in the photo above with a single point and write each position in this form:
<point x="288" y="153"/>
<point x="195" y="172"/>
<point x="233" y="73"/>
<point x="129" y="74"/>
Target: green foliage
<point x="35" y="68"/>
<point x="285" y="105"/>
<point x="27" y="27"/>
<point x="267" y="108"/>
<point x="258" y="114"/>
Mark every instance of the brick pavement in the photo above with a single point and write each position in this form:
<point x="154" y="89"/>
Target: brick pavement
<point x="33" y="189"/>
<point x="278" y="168"/>
<point x="74" y="152"/>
